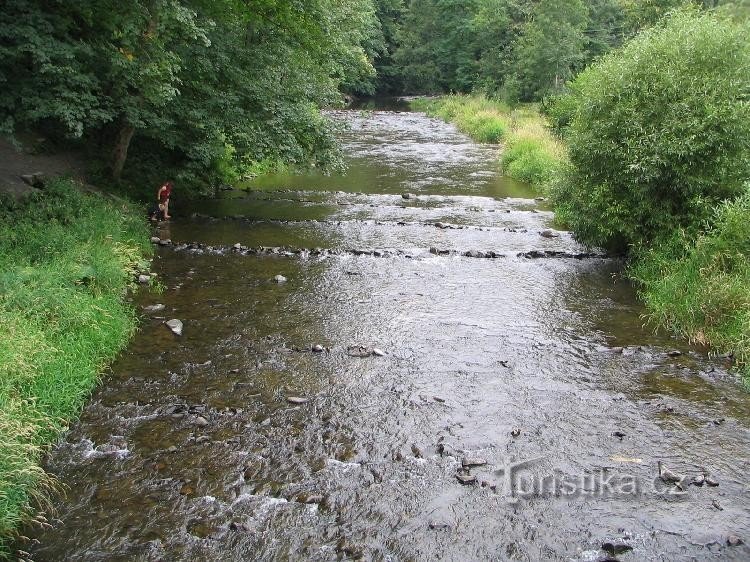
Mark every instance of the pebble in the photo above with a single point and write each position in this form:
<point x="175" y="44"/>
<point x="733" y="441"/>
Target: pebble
<point x="616" y="547"/>
<point x="155" y="239"/>
<point x="734" y="540"/>
<point x="618" y="434"/>
<point x="279" y="279"/>
<point x="200" y="421"/>
<point x="674" y="353"/>
<point x="416" y="451"/>
<point x="717" y="505"/>
<point x="473" y="461"/>
<point x="144" y="279"/>
<point x="317" y="348"/>
<point x="515" y="432"/>
<point x="711" y="481"/>
<point x="165" y="242"/>
<point x="466" y="479"/>
<point x="699" y="480"/>
<point x="549" y="233"/>
<point x="439" y="526"/>
<point x="175" y="325"/>
<point x="154" y="308"/>
<point x="406" y="196"/>
<point x="378" y="352"/>
<point x="297" y="400"/>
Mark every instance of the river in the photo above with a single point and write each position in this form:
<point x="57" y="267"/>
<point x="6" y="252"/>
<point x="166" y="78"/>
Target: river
<point x="452" y="332"/>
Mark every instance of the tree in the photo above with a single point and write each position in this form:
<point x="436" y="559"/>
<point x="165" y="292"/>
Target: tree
<point x="436" y="49"/>
<point x="204" y="85"/>
<point x="551" y="47"/>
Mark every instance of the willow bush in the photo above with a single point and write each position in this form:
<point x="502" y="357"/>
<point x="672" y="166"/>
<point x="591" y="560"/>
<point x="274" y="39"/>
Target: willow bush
<point x="659" y="132"/>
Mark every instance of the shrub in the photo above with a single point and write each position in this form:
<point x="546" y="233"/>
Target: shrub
<point x="701" y="288"/>
<point x="659" y="132"/>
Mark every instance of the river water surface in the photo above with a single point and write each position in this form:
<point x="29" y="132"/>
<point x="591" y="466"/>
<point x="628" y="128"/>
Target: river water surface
<point x="498" y="345"/>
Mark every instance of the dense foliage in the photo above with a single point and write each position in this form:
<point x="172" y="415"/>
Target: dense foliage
<point x="659" y="133"/>
<point x="66" y="259"/>
<point x="204" y="87"/>
<point x="519" y="50"/>
<point x="512" y="49"/>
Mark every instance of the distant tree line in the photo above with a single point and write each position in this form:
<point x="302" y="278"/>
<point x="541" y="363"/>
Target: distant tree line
<point x="513" y="49"/>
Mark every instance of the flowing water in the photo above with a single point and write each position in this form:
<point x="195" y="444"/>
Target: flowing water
<point x="498" y="345"/>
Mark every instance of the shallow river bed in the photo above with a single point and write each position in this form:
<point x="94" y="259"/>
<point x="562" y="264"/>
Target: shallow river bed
<point x="237" y="441"/>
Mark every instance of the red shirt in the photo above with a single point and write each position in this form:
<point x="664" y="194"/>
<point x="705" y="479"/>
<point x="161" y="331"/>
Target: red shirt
<point x="164" y="192"/>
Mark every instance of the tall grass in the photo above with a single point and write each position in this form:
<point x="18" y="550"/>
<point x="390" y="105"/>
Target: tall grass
<point x="701" y="288"/>
<point x="531" y="153"/>
<point x="66" y="262"/>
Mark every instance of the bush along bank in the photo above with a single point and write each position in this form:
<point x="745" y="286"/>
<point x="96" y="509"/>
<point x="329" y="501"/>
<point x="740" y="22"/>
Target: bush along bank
<point x="658" y="135"/>
<point x="67" y="260"/>
<point x="531" y="153"/>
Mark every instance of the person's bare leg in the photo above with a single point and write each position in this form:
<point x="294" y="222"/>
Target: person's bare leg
<point x="167" y="216"/>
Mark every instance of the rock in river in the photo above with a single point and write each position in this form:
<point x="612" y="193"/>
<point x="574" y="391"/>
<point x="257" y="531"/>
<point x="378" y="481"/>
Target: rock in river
<point x="144" y="279"/>
<point x="549" y="233"/>
<point x="296" y="400"/>
<point x="378" y="352"/>
<point x="175" y="325"/>
<point x="317" y="348"/>
<point x="473" y="461"/>
<point x="279" y="279"/>
<point x="734" y="540"/>
<point x="466" y="479"/>
<point x="154" y="308"/>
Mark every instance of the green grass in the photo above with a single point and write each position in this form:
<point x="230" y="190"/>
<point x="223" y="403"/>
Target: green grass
<point x="701" y="288"/>
<point x="531" y="153"/>
<point x="67" y="260"/>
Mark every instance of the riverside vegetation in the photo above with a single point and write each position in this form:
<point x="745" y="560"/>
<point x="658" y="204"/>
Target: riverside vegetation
<point x="652" y="160"/>
<point x="66" y="260"/>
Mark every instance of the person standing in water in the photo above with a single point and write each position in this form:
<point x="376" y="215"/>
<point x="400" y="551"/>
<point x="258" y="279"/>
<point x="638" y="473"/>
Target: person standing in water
<point x="162" y="196"/>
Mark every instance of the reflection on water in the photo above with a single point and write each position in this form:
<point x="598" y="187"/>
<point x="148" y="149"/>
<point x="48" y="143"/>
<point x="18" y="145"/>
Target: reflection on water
<point x="237" y="441"/>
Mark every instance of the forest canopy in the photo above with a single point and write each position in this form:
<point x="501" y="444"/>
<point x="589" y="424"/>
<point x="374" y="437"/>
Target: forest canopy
<point x="207" y="86"/>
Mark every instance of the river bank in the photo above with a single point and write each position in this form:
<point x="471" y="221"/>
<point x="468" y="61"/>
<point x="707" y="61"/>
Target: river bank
<point x="68" y="259"/>
<point x="531" y="152"/>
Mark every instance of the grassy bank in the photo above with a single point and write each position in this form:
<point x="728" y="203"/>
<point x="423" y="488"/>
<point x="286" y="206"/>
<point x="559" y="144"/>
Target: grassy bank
<point x="66" y="261"/>
<point x="530" y="152"/>
<point x="701" y="288"/>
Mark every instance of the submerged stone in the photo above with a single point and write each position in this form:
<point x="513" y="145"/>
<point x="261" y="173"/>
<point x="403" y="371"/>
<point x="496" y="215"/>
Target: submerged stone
<point x="175" y="325"/>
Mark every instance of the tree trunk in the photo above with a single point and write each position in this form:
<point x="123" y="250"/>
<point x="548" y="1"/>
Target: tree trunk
<point x="120" y="152"/>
